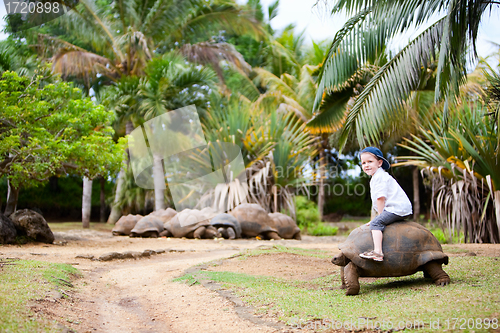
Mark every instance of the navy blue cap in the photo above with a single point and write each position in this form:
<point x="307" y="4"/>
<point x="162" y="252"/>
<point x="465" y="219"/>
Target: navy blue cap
<point x="378" y="154"/>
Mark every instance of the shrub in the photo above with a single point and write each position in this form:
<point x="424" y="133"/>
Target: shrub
<point x="322" y="229"/>
<point x="444" y="238"/>
<point x="307" y="212"/>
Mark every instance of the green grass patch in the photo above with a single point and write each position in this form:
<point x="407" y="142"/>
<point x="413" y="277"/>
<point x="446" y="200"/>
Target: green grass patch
<point x="23" y="281"/>
<point x="321" y="229"/>
<point x="66" y="226"/>
<point x="473" y="294"/>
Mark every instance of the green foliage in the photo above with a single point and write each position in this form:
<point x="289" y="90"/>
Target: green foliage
<point x="322" y="229"/>
<point x="24" y="281"/>
<point x="307" y="212"/>
<point x="348" y="196"/>
<point x="462" y="164"/>
<point x="442" y="46"/>
<point x="60" y="196"/>
<point x="48" y="128"/>
<point x="447" y="237"/>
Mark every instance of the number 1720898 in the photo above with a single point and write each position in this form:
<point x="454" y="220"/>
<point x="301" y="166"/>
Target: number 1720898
<point x="32" y="7"/>
<point x="470" y="323"/>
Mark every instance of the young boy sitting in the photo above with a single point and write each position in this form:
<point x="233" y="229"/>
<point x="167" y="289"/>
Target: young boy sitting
<point x="389" y="199"/>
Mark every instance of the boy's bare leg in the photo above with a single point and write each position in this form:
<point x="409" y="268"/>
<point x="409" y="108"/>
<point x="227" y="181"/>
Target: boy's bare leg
<point x="377" y="236"/>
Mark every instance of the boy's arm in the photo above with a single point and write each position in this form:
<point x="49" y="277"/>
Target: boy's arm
<point x="380" y="205"/>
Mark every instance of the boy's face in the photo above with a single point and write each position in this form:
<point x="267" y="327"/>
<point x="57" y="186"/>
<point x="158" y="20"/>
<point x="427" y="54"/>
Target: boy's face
<point x="370" y="164"/>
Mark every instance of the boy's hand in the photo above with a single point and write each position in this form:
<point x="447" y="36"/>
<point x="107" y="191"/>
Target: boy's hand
<point x="368" y="223"/>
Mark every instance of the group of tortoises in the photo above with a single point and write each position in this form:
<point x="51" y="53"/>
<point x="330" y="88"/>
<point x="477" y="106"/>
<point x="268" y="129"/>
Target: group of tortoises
<point x="246" y="220"/>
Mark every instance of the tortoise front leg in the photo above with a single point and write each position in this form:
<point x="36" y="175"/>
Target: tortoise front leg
<point x="230" y="233"/>
<point x="273" y="235"/>
<point x="342" y="278"/>
<point x="435" y="270"/>
<point x="351" y="277"/>
<point x="198" y="233"/>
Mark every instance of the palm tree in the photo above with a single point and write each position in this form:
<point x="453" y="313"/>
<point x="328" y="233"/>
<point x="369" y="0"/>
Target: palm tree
<point x="371" y="26"/>
<point x="169" y="83"/>
<point x="114" y="39"/>
<point x="117" y="39"/>
<point x="275" y="148"/>
<point x="462" y="164"/>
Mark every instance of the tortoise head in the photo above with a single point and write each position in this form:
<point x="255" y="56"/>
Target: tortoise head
<point x="340" y="260"/>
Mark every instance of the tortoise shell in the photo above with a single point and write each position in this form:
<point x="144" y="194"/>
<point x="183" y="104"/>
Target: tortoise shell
<point x="148" y="226"/>
<point x="227" y="220"/>
<point x="187" y="221"/>
<point x="125" y="225"/>
<point x="164" y="214"/>
<point x="406" y="246"/>
<point x="287" y="228"/>
<point x="253" y="220"/>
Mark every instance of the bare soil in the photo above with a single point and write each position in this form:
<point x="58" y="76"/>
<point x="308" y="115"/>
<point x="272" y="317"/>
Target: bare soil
<point x="138" y="295"/>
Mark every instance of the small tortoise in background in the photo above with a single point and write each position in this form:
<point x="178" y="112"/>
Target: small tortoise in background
<point x="408" y="248"/>
<point x="125" y="225"/>
<point x="255" y="221"/>
<point x="287" y="228"/>
<point x="227" y="225"/>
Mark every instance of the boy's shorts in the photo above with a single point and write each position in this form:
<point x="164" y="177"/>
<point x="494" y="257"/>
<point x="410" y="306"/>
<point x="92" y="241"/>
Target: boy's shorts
<point x="384" y="219"/>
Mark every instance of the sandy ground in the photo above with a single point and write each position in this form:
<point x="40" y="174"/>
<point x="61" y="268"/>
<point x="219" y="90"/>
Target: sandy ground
<point x="138" y="295"/>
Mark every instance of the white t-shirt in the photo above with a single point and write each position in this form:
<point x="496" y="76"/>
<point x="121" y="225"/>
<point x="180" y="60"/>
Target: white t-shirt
<point x="396" y="201"/>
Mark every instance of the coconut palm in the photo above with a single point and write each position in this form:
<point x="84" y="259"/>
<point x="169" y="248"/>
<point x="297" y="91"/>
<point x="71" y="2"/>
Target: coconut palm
<point x="117" y="39"/>
<point x="170" y="82"/>
<point x="371" y="26"/>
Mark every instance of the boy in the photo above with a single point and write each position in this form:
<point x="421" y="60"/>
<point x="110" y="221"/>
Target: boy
<point x="388" y="198"/>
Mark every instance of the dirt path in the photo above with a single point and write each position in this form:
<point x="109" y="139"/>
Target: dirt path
<point x="138" y="295"/>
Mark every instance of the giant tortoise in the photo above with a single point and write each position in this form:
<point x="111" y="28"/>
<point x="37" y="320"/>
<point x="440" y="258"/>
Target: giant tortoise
<point x="192" y="223"/>
<point x="408" y="247"/>
<point x="165" y="215"/>
<point x="148" y="226"/>
<point x="287" y="228"/>
<point x="125" y="224"/>
<point x="227" y="225"/>
<point x="255" y="221"/>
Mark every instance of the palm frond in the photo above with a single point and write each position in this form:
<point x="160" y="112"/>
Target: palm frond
<point x="381" y="102"/>
<point x="213" y="53"/>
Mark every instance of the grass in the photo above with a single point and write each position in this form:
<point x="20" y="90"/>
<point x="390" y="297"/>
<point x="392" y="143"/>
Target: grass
<point x="24" y="281"/>
<point x="321" y="229"/>
<point x="473" y="294"/>
<point x="66" y="226"/>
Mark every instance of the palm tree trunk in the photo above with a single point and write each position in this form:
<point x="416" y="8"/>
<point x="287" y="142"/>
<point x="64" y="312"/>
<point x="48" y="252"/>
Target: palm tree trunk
<point x="86" y="202"/>
<point x="496" y="198"/>
<point x="102" y="217"/>
<point x="321" y="192"/>
<point x="159" y="182"/>
<point x="116" y="211"/>
<point x="416" y="195"/>
<point x="12" y="196"/>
